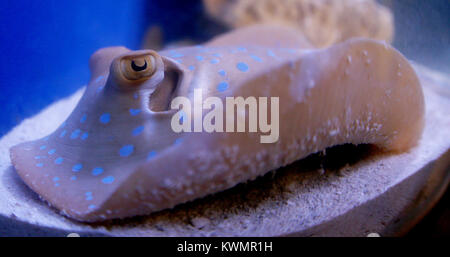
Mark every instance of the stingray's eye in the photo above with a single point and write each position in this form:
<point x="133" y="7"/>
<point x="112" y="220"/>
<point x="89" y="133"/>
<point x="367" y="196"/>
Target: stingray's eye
<point x="138" y="67"/>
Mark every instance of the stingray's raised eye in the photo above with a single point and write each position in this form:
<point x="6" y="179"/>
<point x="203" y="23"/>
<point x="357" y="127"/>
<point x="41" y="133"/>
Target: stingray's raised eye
<point x="138" y="67"/>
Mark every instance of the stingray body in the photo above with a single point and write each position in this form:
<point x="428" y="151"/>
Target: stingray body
<point x="117" y="155"/>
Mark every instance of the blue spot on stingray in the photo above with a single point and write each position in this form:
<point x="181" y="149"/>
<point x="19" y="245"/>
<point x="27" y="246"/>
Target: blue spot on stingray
<point x="222" y="86"/>
<point x="135" y="96"/>
<point x="138" y="130"/>
<point x="177" y="55"/>
<point x="39" y="165"/>
<point x="135" y="111"/>
<point x="178" y="61"/>
<point x="222" y="73"/>
<point x="151" y="155"/>
<point x="75" y="134"/>
<point x="37" y="157"/>
<point x="63" y="133"/>
<point x="242" y="66"/>
<point x="84" y="136"/>
<point x="55" y="179"/>
<point x="217" y="55"/>
<point x="77" y="167"/>
<point x="59" y="160"/>
<point x="97" y="171"/>
<point x="91" y="206"/>
<point x="126" y="150"/>
<point x="83" y="118"/>
<point x="73" y="178"/>
<point x="52" y="151"/>
<point x="242" y="49"/>
<point x="191" y="67"/>
<point x="271" y="53"/>
<point x="178" y="141"/>
<point x="256" y="58"/>
<point x="199" y="58"/>
<point x="214" y="61"/>
<point x="63" y="124"/>
<point x="105" y="118"/>
<point x="56" y="184"/>
<point x="108" y="180"/>
<point x="43" y="147"/>
<point x="88" y="196"/>
<point x="46" y="138"/>
<point x="98" y="78"/>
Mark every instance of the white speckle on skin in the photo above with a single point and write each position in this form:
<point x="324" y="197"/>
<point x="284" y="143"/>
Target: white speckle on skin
<point x="334" y="132"/>
<point x="349" y="59"/>
<point x="311" y="83"/>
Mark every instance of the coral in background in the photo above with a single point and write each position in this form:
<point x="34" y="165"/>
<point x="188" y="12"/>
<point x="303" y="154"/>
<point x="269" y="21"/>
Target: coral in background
<point x="323" y="22"/>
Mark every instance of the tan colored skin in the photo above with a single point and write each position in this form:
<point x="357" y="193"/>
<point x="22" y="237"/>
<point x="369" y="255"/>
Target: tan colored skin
<point x="360" y="91"/>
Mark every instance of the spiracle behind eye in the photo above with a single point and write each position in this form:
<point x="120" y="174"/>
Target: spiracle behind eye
<point x="138" y="68"/>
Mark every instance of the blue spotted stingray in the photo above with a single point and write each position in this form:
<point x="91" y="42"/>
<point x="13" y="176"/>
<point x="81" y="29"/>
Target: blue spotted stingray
<point x="117" y="155"/>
